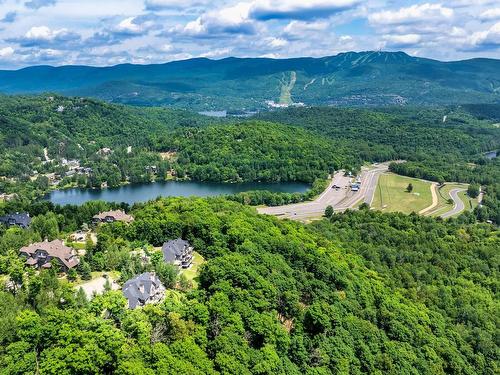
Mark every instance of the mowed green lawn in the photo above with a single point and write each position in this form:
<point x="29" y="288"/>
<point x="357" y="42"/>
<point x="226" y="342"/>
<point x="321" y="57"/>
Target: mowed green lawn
<point x="192" y="271"/>
<point x="391" y="195"/>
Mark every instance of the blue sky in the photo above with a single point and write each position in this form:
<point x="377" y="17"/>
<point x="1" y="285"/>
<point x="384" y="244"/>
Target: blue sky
<point x="108" y="32"/>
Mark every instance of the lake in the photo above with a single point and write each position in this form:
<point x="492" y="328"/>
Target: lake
<point x="144" y="192"/>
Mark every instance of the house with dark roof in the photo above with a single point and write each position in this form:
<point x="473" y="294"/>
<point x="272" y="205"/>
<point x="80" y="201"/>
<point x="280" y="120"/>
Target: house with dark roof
<point x="178" y="252"/>
<point x="22" y="220"/>
<point x="143" y="289"/>
<point x="112" y="216"/>
<point x="42" y="254"/>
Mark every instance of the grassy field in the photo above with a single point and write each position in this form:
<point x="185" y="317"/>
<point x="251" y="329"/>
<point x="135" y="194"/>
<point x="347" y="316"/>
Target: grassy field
<point x="391" y="194"/>
<point x="191" y="272"/>
<point x="470" y="203"/>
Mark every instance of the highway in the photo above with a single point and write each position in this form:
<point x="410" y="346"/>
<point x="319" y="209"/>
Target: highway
<point x="340" y="198"/>
<point x="458" y="205"/>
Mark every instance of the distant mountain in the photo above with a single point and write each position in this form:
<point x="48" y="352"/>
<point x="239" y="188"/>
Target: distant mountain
<point x="247" y="84"/>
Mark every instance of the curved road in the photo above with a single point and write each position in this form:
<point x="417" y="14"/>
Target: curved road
<point x="340" y="198"/>
<point x="458" y="205"/>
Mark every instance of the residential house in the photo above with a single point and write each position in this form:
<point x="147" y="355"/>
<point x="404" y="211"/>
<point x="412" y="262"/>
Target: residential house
<point x="41" y="254"/>
<point x="143" y="289"/>
<point x="178" y="252"/>
<point x="112" y="216"/>
<point x="78" y="236"/>
<point x="7" y="197"/>
<point x="105" y="151"/>
<point x="22" y="220"/>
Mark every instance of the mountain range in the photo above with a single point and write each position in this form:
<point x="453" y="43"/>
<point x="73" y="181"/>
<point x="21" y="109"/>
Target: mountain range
<point x="249" y="84"/>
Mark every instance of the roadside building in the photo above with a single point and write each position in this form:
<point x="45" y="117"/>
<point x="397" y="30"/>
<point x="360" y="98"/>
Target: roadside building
<point x="22" y="220"/>
<point x="112" y="216"/>
<point x="143" y="289"/>
<point x="178" y="252"/>
<point x="41" y="254"/>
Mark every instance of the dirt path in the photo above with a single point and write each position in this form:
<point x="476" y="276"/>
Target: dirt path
<point x="435" y="200"/>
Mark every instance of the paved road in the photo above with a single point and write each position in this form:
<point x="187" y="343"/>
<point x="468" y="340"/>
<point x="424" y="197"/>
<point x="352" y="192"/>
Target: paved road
<point x="458" y="205"/>
<point x="340" y="198"/>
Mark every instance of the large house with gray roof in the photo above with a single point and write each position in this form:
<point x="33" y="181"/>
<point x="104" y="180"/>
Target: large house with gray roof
<point x="42" y="254"/>
<point x="178" y="252"/>
<point x="143" y="289"/>
<point x="22" y="220"/>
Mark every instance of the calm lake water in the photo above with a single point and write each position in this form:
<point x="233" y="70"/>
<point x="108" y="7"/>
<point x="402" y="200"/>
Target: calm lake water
<point x="144" y="192"/>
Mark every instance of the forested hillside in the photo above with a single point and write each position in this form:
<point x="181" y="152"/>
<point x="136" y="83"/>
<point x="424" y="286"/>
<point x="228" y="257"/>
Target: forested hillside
<point x="121" y="144"/>
<point x="364" y="293"/>
<point x="255" y="151"/>
<point x="397" y="132"/>
<point x="347" y="79"/>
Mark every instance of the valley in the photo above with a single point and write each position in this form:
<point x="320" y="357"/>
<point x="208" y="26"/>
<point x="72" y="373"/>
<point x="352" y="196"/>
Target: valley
<point x="174" y="237"/>
<point x="249" y="187"/>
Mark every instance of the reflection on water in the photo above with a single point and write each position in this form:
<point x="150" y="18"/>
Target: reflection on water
<point x="144" y="192"/>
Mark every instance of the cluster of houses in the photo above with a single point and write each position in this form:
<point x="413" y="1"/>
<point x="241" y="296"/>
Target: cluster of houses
<point x="139" y="291"/>
<point x="147" y="288"/>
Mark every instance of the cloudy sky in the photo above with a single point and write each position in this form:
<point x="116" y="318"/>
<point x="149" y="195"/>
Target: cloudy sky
<point x="107" y="32"/>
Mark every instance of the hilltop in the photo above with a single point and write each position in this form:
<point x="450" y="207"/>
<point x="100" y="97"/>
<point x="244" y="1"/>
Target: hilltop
<point x="248" y="84"/>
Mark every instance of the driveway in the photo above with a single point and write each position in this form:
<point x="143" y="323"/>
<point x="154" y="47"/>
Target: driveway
<point x="97" y="286"/>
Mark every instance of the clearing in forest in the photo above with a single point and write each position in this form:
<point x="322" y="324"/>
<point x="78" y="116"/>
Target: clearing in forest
<point x="286" y="89"/>
<point x="192" y="271"/>
<point x="391" y="194"/>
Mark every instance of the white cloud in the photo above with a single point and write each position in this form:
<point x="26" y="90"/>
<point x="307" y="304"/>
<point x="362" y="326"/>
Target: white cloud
<point x="299" y="28"/>
<point x="127" y="25"/>
<point x="43" y="33"/>
<point x="416" y="13"/>
<point x="490" y="14"/>
<point x="399" y="41"/>
<point x="230" y="20"/>
<point x="487" y="39"/>
<point x="6" y="52"/>
<point x="277" y="42"/>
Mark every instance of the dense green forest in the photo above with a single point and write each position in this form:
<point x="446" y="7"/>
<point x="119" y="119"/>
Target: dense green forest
<point x="391" y="133"/>
<point x="254" y="151"/>
<point x="363" y="292"/>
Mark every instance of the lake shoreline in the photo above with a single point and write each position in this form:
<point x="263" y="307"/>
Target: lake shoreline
<point x="141" y="192"/>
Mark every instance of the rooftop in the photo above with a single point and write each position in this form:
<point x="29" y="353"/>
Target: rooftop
<point x="55" y="249"/>
<point x="118" y="215"/>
